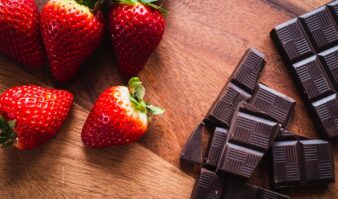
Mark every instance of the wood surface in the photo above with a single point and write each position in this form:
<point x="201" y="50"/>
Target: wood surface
<point x="203" y="42"/>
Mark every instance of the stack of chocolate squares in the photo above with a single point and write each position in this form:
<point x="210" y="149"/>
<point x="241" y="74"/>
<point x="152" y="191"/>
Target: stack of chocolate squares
<point x="247" y="120"/>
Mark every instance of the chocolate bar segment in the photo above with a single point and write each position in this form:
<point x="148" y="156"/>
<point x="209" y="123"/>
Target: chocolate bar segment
<point x="326" y="112"/>
<point x="329" y="59"/>
<point x="274" y="103"/>
<point x="250" y="136"/>
<point x="302" y="162"/>
<point x="192" y="151"/>
<point x="253" y="132"/>
<point x="321" y="27"/>
<point x="239" y="161"/>
<point x="240" y="87"/>
<point x="313" y="79"/>
<point x="223" y="109"/>
<point x="248" y="70"/>
<point x="211" y="186"/>
<point x="207" y="186"/>
<point x="217" y="144"/>
<point x="292" y="41"/>
<point x="318" y="161"/>
<point x="286" y="167"/>
<point x="308" y="45"/>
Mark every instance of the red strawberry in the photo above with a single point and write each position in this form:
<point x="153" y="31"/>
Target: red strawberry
<point x="20" y="37"/>
<point x="31" y="115"/>
<point x="119" y="116"/>
<point x="71" y="32"/>
<point x="136" y="27"/>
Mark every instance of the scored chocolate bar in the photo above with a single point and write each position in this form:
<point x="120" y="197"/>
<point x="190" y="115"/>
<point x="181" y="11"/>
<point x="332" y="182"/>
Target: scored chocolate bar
<point x="308" y="45"/>
<point x="240" y="88"/>
<point x="298" y="162"/>
<point x="211" y="186"/>
<point x="250" y="136"/>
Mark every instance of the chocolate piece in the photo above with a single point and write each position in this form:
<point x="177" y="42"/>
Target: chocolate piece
<point x="250" y="136"/>
<point x="238" y="160"/>
<point x="192" y="151"/>
<point x="321" y="28"/>
<point x="222" y="111"/>
<point x="326" y="114"/>
<point x="274" y="103"/>
<point x="292" y="41"/>
<point x="312" y="77"/>
<point x="248" y="70"/>
<point x="308" y="45"/>
<point x="302" y="162"/>
<point x="329" y="59"/>
<point x="208" y="185"/>
<point x="211" y="186"/>
<point x="216" y="147"/>
<point x="240" y="87"/>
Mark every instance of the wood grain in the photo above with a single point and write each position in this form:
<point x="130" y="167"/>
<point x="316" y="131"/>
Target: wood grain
<point x="204" y="41"/>
<point x="65" y="168"/>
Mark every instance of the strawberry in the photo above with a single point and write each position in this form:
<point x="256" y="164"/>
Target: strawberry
<point x="31" y="115"/>
<point x="136" y="28"/>
<point x="119" y="116"/>
<point x="71" y="30"/>
<point x="20" y="37"/>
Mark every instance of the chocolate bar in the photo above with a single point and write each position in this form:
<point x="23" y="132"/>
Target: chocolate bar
<point x="192" y="151"/>
<point x="216" y="146"/>
<point x="298" y="162"/>
<point x="274" y="103"/>
<point x="240" y="88"/>
<point x="211" y="186"/>
<point x="308" y="45"/>
<point x="250" y="136"/>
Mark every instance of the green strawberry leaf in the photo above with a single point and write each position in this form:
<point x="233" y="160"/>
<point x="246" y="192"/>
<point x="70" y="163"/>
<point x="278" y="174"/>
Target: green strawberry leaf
<point x="154" y="110"/>
<point x="136" y="88"/>
<point x="137" y="92"/>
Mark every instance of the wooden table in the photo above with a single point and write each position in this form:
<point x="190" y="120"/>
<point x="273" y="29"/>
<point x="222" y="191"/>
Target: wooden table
<point x="204" y="41"/>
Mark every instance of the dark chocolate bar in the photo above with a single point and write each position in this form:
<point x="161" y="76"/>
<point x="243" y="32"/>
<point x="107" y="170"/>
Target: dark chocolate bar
<point x="192" y="151"/>
<point x="216" y="146"/>
<point x="274" y="103"/>
<point x="302" y="162"/>
<point x="308" y="45"/>
<point x="240" y="87"/>
<point x="211" y="186"/>
<point x="250" y="136"/>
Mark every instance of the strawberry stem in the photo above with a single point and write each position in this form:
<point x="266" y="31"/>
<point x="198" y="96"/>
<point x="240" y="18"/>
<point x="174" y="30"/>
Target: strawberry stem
<point x="137" y="93"/>
<point x="149" y="3"/>
<point x="92" y="4"/>
<point x="7" y="134"/>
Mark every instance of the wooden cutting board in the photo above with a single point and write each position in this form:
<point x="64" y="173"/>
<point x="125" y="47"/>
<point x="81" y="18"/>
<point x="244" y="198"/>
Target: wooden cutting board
<point x="204" y="41"/>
